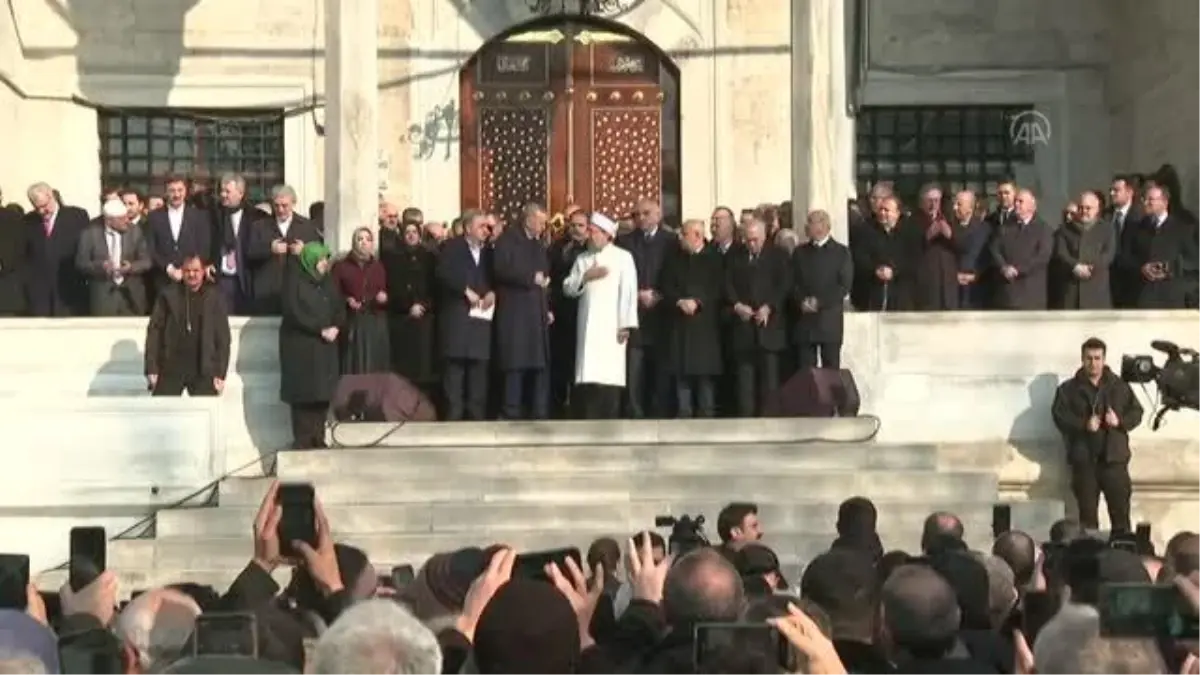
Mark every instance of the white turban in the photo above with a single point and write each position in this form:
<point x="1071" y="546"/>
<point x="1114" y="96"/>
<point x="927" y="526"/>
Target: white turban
<point x="114" y="208"/>
<point x="604" y="223"/>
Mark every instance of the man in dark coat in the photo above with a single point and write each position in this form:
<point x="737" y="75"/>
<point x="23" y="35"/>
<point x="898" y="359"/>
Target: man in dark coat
<point x="234" y="225"/>
<point x="1164" y="248"/>
<point x="937" y="268"/>
<point x="1021" y="252"/>
<point x="691" y="292"/>
<point x="647" y="385"/>
<point x="989" y="279"/>
<point x="887" y="258"/>
<point x="757" y="279"/>
<point x="1124" y="217"/>
<point x="725" y="243"/>
<point x="53" y="285"/>
<point x="14" y="242"/>
<point x="1095" y="411"/>
<point x="822" y="273"/>
<point x="272" y="240"/>
<point x="521" y="278"/>
<point x="188" y="339"/>
<point x="115" y="258"/>
<point x="410" y="268"/>
<point x="972" y="235"/>
<point x="1083" y="251"/>
<point x="177" y="232"/>
<point x="466" y="305"/>
<point x="564" y="330"/>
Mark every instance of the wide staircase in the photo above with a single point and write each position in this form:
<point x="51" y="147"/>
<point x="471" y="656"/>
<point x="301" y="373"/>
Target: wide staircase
<point x="403" y="493"/>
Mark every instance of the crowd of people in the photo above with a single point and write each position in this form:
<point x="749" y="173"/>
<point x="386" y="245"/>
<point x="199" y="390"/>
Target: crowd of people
<point x="1023" y="606"/>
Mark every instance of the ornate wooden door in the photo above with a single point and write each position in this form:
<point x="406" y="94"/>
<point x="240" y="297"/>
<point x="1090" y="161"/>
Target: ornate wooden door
<point x="617" y="134"/>
<point x="513" y="139"/>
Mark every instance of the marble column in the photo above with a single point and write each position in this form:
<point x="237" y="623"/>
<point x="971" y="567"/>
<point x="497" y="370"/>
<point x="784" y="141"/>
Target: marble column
<point x="822" y="130"/>
<point x="351" y="118"/>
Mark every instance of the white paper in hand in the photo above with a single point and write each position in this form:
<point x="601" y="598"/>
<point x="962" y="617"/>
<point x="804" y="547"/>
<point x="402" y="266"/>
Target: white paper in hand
<point x="478" y="312"/>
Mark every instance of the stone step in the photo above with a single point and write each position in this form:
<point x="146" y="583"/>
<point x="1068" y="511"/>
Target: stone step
<point x="475" y="460"/>
<point x="622" y="432"/>
<point x="622" y="519"/>
<point x="829" y="487"/>
<point x="232" y="553"/>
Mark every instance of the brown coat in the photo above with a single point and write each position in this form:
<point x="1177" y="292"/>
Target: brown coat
<point x="170" y="314"/>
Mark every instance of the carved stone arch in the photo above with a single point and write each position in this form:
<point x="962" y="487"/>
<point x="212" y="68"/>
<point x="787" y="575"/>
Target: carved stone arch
<point x="569" y="111"/>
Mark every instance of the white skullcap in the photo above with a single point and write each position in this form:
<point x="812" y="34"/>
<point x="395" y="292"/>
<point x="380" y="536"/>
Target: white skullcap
<point x="114" y="208"/>
<point x="604" y="223"/>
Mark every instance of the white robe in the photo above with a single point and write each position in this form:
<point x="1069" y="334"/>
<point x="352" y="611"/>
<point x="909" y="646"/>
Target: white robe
<point x="606" y="307"/>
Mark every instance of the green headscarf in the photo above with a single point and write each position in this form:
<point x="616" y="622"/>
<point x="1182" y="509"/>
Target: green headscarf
<point x="310" y="255"/>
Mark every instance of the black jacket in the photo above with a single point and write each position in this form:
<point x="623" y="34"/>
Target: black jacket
<point x="1078" y="399"/>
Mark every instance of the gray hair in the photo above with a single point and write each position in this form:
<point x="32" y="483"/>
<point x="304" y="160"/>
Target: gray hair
<point x="283" y="191"/>
<point x="378" y="636"/>
<point x="238" y="181"/>
<point x="787" y="239"/>
<point x="1002" y="587"/>
<point x="39" y="188"/>
<point x="20" y="662"/>
<point x="1056" y="649"/>
<point x="157" y="625"/>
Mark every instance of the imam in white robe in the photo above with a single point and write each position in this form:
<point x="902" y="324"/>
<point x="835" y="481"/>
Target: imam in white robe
<point x="606" y="307"/>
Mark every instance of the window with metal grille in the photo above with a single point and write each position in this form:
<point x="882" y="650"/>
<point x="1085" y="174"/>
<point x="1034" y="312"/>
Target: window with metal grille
<point x="959" y="147"/>
<point x="139" y="148"/>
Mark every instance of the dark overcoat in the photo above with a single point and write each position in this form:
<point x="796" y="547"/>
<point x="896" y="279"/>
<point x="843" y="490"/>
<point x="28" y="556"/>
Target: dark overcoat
<point x="461" y="336"/>
<point x="1075" y="245"/>
<point x="522" y="306"/>
<point x="648" y="254"/>
<point x="824" y="272"/>
<point x="1028" y="248"/>
<point x="899" y="249"/>
<point x="54" y="286"/>
<point x="309" y="367"/>
<point x="1173" y="243"/>
<point x="692" y="343"/>
<point x="937" y="268"/>
<point x="762" y="281"/>
<point x="411" y="281"/>
<point x="14" y="238"/>
<point x="564" y="330"/>
<point x="267" y="268"/>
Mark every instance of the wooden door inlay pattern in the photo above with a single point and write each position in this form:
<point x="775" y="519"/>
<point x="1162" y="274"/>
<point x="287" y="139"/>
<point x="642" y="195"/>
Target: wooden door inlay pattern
<point x="626" y="156"/>
<point x="515" y="159"/>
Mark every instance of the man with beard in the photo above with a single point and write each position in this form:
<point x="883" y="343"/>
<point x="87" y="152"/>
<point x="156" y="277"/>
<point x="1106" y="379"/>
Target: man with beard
<point x="563" y="253"/>
<point x="188" y="338"/>
<point x="1083" y="251"/>
<point x="1095" y="411"/>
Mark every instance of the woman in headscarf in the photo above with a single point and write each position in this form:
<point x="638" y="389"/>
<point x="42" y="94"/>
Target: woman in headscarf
<point x="410" y="268"/>
<point x="361" y="280"/>
<point x="314" y="315"/>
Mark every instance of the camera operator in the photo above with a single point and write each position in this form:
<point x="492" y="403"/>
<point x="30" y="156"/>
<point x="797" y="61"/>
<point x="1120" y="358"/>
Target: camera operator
<point x="1095" y="411"/>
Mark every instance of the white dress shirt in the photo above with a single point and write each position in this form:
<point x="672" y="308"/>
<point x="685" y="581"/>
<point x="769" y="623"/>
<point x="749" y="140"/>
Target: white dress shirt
<point x="114" y="253"/>
<point x="175" y="218"/>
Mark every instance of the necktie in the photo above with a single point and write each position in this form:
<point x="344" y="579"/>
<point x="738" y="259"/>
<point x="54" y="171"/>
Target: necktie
<point x="1120" y="221"/>
<point x="48" y="224"/>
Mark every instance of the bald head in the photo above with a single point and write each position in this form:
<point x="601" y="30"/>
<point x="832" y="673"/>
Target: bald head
<point x="702" y="586"/>
<point x="157" y="625"/>
<point x="1026" y="204"/>
<point x="942" y="531"/>
<point x="920" y="611"/>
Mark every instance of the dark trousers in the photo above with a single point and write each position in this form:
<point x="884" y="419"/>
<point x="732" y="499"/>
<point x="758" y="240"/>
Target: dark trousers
<point x="308" y="425"/>
<point x="596" y="401"/>
<point x="1091" y="479"/>
<point x="562" y="380"/>
<point x="695" y="396"/>
<point x="819" y="354"/>
<point x="535" y="381"/>
<point x="757" y="377"/>
<point x="173" y="384"/>
<point x="646" y="384"/>
<point x="465" y="383"/>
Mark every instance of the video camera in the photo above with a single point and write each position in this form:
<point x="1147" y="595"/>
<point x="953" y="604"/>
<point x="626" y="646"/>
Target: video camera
<point x="687" y="533"/>
<point x="1178" y="380"/>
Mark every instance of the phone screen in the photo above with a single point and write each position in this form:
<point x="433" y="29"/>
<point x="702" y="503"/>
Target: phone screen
<point x="92" y="651"/>
<point x="299" y="519"/>
<point x="402" y="575"/>
<point x="712" y="639"/>
<point x="533" y="565"/>
<point x="89" y="555"/>
<point x="231" y="634"/>
<point x="1146" y="610"/>
<point x="1001" y="519"/>
<point x="14" y="581"/>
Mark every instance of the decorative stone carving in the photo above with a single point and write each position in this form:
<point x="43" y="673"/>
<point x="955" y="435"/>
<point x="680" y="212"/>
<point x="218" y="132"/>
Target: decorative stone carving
<point x="604" y="8"/>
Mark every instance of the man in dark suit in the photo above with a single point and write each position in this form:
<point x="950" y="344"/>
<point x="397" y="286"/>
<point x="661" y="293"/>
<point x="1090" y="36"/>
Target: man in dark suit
<point x="177" y="232"/>
<point x="757" y="279"/>
<point x="521" y="275"/>
<point x="724" y="244"/>
<point x="234" y="223"/>
<point x="14" y="245"/>
<point x="115" y="258"/>
<point x="822" y="273"/>
<point x="466" y="305"/>
<point x="1124" y="217"/>
<point x="564" y="330"/>
<point x="54" y="287"/>
<point x="647" y="386"/>
<point x="692" y="289"/>
<point x="1021" y="251"/>
<point x="271" y="241"/>
<point x="988" y="278"/>
<point x="1164" y="248"/>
